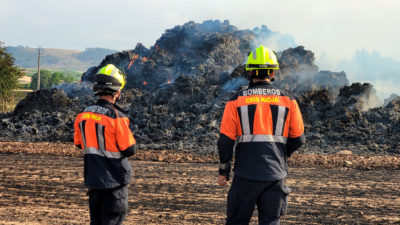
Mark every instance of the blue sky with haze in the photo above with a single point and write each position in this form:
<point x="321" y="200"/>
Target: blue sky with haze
<point x="333" y="29"/>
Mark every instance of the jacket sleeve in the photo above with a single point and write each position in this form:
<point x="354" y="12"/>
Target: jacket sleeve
<point x="225" y="153"/>
<point x="77" y="133"/>
<point x="124" y="136"/>
<point x="226" y="141"/>
<point x="296" y="129"/>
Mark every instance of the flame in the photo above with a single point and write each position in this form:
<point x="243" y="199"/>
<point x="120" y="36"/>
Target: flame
<point x="169" y="81"/>
<point x="132" y="61"/>
<point x="144" y="59"/>
<point x="144" y="83"/>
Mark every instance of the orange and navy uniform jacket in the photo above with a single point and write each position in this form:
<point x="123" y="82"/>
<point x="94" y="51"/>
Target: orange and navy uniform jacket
<point x="267" y="125"/>
<point x="102" y="132"/>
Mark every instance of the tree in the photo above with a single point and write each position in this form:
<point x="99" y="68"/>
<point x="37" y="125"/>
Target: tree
<point x="48" y="79"/>
<point x="69" y="79"/>
<point x="56" y="78"/>
<point x="45" y="77"/>
<point x="9" y="75"/>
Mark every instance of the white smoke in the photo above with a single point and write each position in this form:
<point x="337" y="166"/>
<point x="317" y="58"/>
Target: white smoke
<point x="371" y="100"/>
<point x="77" y="90"/>
<point x="235" y="84"/>
<point x="382" y="72"/>
<point x="272" y="39"/>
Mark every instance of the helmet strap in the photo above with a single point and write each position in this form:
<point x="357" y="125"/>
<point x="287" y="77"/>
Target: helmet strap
<point x="262" y="74"/>
<point x="259" y="74"/>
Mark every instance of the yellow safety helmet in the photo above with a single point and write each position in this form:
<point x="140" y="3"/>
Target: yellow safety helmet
<point x="109" y="79"/>
<point x="262" y="58"/>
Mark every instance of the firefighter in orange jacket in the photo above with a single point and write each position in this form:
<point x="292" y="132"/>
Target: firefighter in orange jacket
<point x="102" y="132"/>
<point x="267" y="125"/>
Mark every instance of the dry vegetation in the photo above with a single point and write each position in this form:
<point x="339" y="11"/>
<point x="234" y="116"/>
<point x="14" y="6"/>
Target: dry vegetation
<point x="42" y="183"/>
<point x="16" y="96"/>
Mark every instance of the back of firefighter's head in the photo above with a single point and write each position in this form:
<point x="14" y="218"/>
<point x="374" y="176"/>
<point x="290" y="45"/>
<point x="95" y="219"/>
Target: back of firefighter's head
<point x="262" y="63"/>
<point x="108" y="81"/>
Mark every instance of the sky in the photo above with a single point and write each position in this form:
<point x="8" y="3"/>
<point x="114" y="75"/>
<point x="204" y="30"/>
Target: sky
<point x="335" y="29"/>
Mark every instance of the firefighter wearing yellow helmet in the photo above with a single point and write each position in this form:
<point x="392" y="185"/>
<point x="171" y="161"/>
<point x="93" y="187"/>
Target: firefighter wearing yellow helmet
<point x="109" y="80"/>
<point x="267" y="126"/>
<point x="102" y="132"/>
<point x="262" y="63"/>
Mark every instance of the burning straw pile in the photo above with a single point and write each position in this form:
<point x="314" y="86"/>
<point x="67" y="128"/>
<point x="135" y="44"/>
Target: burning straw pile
<point x="177" y="89"/>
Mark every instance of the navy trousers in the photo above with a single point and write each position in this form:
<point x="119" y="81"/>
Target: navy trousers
<point x="108" y="206"/>
<point x="269" y="196"/>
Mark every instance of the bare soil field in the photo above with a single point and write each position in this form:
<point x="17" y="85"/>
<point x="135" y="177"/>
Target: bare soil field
<point x="42" y="183"/>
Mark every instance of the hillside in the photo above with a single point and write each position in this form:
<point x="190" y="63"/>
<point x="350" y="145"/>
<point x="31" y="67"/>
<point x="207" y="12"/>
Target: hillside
<point x="65" y="59"/>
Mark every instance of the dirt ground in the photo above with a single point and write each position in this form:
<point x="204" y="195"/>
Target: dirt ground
<point x="42" y="183"/>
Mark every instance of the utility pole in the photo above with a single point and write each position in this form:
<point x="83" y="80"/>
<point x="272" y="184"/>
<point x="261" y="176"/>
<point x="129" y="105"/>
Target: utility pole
<point x="38" y="71"/>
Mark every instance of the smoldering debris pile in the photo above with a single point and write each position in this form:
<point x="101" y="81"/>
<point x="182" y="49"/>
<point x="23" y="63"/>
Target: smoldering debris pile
<point x="44" y="115"/>
<point x="346" y="121"/>
<point x="177" y="90"/>
<point x="209" y="50"/>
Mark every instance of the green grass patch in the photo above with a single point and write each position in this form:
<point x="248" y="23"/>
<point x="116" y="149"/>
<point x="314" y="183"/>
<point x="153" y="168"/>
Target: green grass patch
<point x="76" y="74"/>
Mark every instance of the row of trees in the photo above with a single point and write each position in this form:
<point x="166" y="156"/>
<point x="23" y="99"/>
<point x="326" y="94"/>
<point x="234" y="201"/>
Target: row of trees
<point x="10" y="74"/>
<point x="49" y="79"/>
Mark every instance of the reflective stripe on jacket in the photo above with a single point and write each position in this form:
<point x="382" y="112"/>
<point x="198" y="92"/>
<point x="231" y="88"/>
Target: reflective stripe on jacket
<point x="102" y="131"/>
<point x="267" y="125"/>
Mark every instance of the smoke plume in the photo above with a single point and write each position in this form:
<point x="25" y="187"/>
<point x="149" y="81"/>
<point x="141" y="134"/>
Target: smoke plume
<point x="365" y="66"/>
